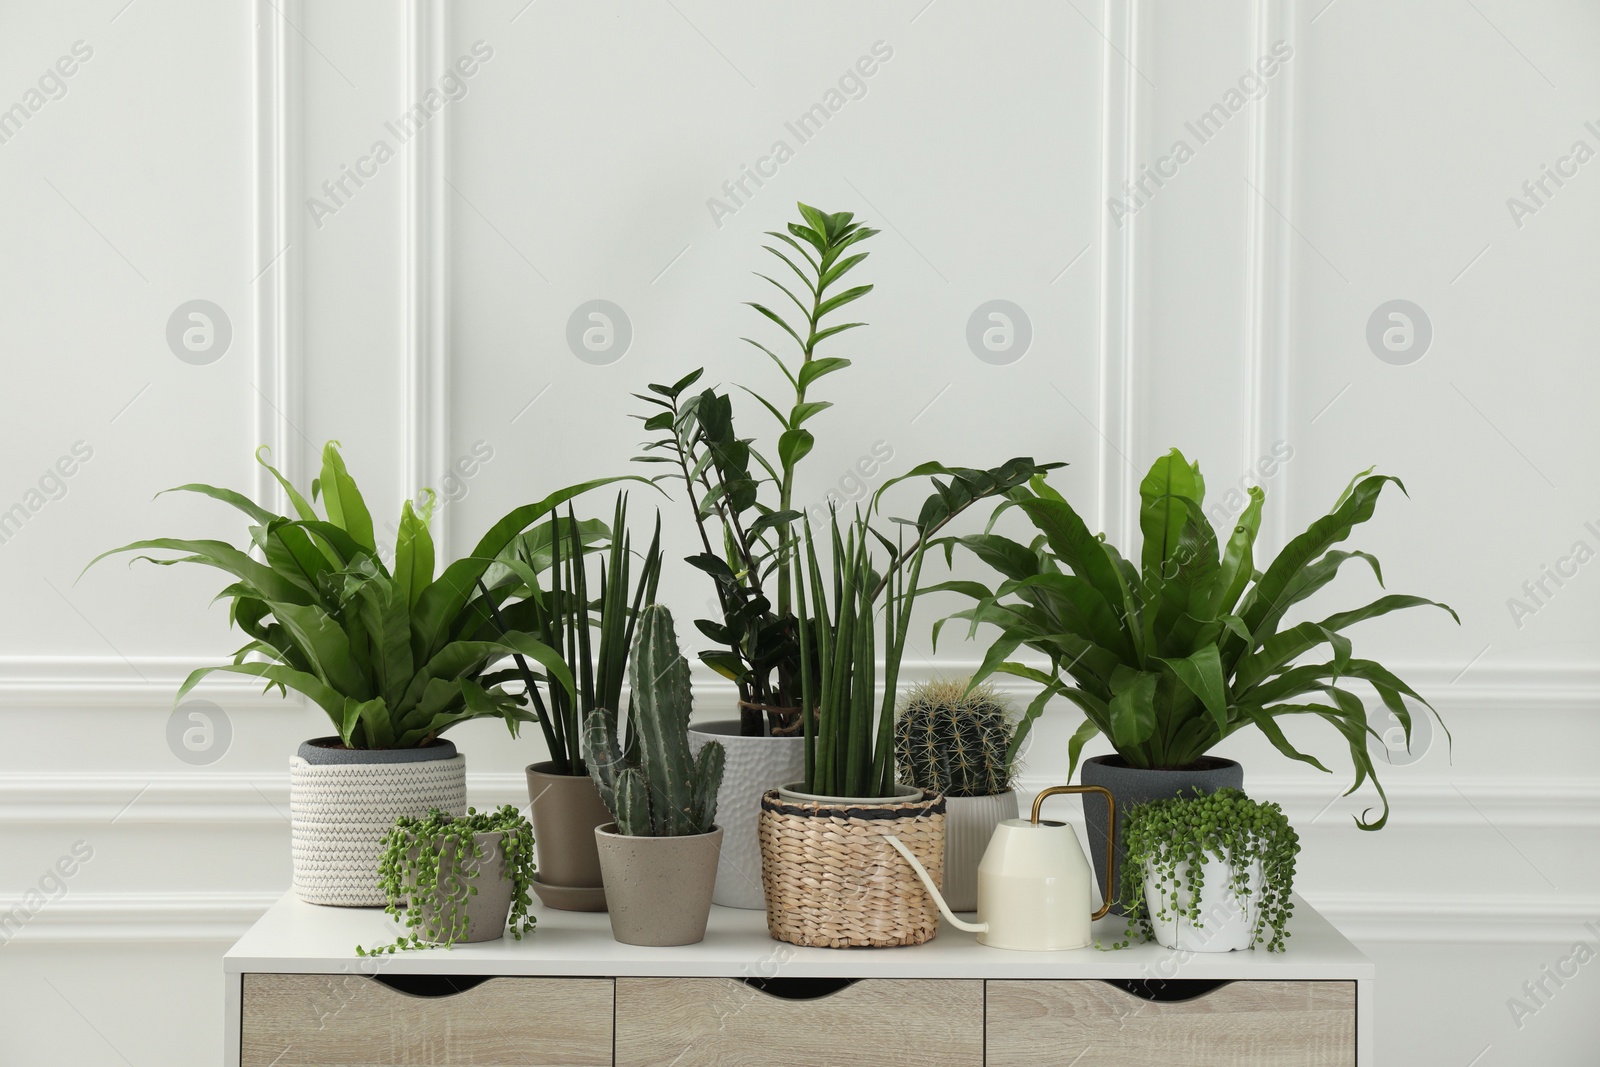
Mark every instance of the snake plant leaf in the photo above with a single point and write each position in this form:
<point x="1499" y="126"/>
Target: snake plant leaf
<point x="346" y="508"/>
<point x="443" y="601"/>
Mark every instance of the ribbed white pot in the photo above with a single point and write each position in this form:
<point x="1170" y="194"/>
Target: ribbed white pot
<point x="969" y="823"/>
<point x="1227" y="920"/>
<point x="342" y="802"/>
<point x="754" y="765"/>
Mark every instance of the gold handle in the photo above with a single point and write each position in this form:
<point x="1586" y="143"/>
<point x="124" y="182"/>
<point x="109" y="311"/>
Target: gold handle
<point x="1111" y="830"/>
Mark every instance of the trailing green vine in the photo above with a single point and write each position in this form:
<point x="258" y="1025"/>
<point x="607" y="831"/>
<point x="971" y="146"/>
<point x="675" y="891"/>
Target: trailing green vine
<point x="410" y="872"/>
<point x="1165" y="836"/>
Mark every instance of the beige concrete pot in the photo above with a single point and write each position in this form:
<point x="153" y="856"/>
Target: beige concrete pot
<point x="487" y="910"/>
<point x="566" y="809"/>
<point x="658" y="889"/>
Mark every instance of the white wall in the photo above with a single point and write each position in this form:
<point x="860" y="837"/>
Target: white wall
<point x="427" y="314"/>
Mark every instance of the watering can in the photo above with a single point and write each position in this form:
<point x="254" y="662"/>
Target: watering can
<point x="1033" y="881"/>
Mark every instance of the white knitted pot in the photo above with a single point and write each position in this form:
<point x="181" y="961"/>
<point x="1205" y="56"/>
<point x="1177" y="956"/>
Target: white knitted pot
<point x="342" y="802"/>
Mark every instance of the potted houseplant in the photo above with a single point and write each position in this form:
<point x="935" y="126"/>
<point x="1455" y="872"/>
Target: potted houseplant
<point x="659" y="858"/>
<point x="954" y="739"/>
<point x="544" y="572"/>
<point x="1213" y="872"/>
<point x="830" y="877"/>
<point x="742" y="505"/>
<point x="1168" y="659"/>
<point x="458" y="878"/>
<point x="392" y="653"/>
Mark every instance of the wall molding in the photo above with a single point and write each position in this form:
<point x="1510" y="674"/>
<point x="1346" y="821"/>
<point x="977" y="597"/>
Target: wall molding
<point x="1269" y="278"/>
<point x="136" y="917"/>
<point x="277" y="247"/>
<point x="425" y="264"/>
<point x="252" y="798"/>
<point x="1118" y="486"/>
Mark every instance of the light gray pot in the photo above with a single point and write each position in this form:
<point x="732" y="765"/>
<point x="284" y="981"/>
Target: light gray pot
<point x="487" y="909"/>
<point x="753" y="766"/>
<point x="969" y="823"/>
<point x="1139" y="785"/>
<point x="658" y="889"/>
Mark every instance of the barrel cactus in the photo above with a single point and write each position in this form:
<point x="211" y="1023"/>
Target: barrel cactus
<point x="652" y="785"/>
<point x="951" y="741"/>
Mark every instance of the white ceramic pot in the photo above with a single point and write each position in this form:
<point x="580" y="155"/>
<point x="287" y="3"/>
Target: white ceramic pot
<point x="969" y="823"/>
<point x="1227" y="921"/>
<point x="753" y="766"/>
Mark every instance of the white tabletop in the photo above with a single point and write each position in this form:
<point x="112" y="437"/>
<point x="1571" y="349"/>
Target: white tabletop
<point x="295" y="937"/>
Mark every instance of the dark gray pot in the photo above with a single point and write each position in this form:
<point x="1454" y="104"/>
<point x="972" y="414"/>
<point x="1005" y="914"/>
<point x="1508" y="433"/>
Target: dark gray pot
<point x="323" y="751"/>
<point x="1139" y="785"/>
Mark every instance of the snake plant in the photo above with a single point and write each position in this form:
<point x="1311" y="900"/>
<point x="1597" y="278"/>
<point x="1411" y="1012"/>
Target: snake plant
<point x="394" y="656"/>
<point x="849" y="749"/>
<point x="1169" y="658"/>
<point x="545" y="572"/>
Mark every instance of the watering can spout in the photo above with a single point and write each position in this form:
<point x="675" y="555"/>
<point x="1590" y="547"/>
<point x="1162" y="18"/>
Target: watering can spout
<point x="933" y="890"/>
<point x="1034" y="884"/>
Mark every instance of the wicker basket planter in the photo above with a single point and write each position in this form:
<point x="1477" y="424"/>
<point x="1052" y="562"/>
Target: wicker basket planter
<point x="831" y="880"/>
<point x="343" y="801"/>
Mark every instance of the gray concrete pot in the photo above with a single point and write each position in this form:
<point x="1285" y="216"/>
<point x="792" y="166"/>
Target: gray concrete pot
<point x="566" y="809"/>
<point x="1140" y="785"/>
<point x="658" y="889"/>
<point x="487" y="909"/>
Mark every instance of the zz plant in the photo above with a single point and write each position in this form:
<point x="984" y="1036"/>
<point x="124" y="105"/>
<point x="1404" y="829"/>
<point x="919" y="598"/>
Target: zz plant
<point x="422" y="873"/>
<point x="742" y="499"/>
<point x="1168" y="658"/>
<point x="395" y="654"/>
<point x="1172" y="839"/>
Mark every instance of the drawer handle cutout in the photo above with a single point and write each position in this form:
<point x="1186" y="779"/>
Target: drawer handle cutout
<point x="1167" y="990"/>
<point x="799" y="988"/>
<point x="431" y="985"/>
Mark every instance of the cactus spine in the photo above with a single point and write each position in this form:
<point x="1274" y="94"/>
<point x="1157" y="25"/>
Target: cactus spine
<point x="950" y="741"/>
<point x="657" y="789"/>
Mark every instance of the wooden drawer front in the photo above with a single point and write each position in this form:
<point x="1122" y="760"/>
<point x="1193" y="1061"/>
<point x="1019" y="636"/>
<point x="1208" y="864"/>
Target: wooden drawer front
<point x="722" y="1021"/>
<point x="1242" y="1024"/>
<point x="323" y="1020"/>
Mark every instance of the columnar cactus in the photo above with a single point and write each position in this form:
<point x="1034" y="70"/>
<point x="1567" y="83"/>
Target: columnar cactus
<point x="655" y="788"/>
<point x="949" y="741"/>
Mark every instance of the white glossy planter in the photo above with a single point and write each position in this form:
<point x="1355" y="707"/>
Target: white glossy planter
<point x="1227" y="921"/>
<point x="969" y="823"/>
<point x="753" y="766"/>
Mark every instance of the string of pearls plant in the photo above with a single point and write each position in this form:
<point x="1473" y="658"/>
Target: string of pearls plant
<point x="421" y="873"/>
<point x="1172" y="839"/>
